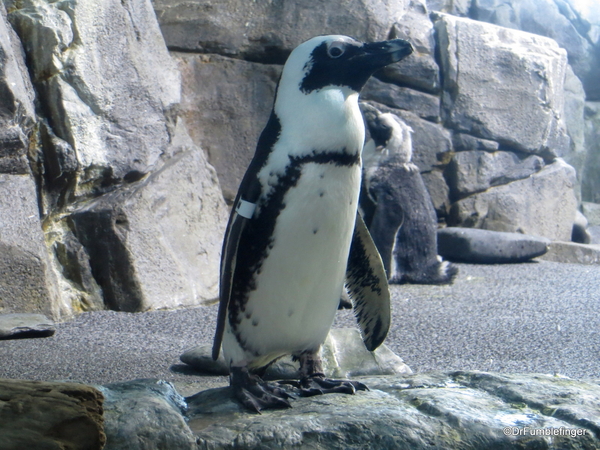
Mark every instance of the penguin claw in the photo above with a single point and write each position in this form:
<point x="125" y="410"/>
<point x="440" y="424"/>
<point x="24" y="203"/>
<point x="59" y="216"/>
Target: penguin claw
<point x="265" y="397"/>
<point x="255" y="394"/>
<point x="318" y="384"/>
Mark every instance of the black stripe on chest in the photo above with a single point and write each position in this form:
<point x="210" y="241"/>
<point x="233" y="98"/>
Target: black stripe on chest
<point x="257" y="238"/>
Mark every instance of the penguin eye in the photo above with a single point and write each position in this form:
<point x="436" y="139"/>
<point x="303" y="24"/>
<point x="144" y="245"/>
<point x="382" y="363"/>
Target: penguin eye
<point x="336" y="49"/>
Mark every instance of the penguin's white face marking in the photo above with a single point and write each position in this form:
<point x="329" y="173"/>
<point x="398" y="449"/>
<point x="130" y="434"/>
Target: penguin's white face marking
<point x="400" y="142"/>
<point x="317" y="98"/>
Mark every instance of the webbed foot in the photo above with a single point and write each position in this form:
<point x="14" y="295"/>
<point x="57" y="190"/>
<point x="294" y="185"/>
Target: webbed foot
<point x="254" y="393"/>
<point x="318" y="384"/>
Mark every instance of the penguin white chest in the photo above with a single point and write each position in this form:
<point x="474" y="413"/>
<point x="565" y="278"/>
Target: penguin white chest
<point x="298" y="287"/>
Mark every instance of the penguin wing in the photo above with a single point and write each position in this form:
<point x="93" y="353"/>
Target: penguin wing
<point x="245" y="202"/>
<point x="367" y="286"/>
<point x="231" y="242"/>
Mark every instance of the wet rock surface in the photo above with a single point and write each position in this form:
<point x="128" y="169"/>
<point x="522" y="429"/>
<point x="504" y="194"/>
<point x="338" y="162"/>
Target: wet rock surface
<point x="451" y="410"/>
<point x="145" y="414"/>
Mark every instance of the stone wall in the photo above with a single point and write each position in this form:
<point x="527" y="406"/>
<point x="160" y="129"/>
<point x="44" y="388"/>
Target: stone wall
<point x="495" y="111"/>
<point x="106" y="199"/>
<point x="125" y="124"/>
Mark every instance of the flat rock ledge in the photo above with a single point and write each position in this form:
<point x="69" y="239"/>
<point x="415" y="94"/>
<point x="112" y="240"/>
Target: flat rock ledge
<point x="489" y="247"/>
<point x="446" y="410"/>
<point x="25" y="326"/>
<point x="456" y="410"/>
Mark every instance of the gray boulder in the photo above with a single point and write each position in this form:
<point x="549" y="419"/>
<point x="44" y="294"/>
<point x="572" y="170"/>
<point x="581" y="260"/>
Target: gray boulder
<point x="463" y="141"/>
<point x="490" y="70"/>
<point x="27" y="282"/>
<point x="543" y="204"/>
<point x="488" y="247"/>
<point x="569" y="23"/>
<point x="438" y="191"/>
<point x="455" y="7"/>
<point x="475" y="171"/>
<point x="103" y="96"/>
<point x="590" y="189"/>
<point x="16" y="326"/>
<point x="594" y="232"/>
<point x="268" y="31"/>
<point x="453" y="410"/>
<point x="573" y="253"/>
<point x="574" y="119"/>
<point x="17" y="114"/>
<point x="225" y="104"/>
<point x="145" y="415"/>
<point x="44" y="415"/>
<point x="155" y="243"/>
<point x="591" y="211"/>
<point x="425" y="105"/>
<point x="343" y="353"/>
<point x="420" y="69"/>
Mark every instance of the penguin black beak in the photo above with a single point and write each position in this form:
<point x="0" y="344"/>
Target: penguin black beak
<point x="379" y="54"/>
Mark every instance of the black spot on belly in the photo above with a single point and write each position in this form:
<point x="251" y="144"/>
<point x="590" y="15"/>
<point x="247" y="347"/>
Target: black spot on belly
<point x="255" y="322"/>
<point x="315" y="230"/>
<point x="321" y="194"/>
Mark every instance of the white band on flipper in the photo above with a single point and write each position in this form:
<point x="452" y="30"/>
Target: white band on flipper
<point x="245" y="209"/>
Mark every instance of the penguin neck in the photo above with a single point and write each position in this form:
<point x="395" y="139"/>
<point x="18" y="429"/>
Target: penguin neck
<point x="327" y="119"/>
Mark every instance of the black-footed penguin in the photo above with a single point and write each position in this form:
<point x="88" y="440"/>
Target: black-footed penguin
<point x="291" y="241"/>
<point x="396" y="204"/>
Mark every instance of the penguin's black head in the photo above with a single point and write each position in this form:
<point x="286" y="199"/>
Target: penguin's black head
<point x="342" y="61"/>
<point x="381" y="132"/>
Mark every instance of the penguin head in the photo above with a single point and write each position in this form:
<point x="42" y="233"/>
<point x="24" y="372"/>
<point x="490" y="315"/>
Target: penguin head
<point x="399" y="141"/>
<point x="317" y="98"/>
<point x="340" y="61"/>
<point x="390" y="137"/>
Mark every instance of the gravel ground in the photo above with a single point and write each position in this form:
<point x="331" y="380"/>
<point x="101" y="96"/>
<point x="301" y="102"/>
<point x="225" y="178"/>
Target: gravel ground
<point x="536" y="317"/>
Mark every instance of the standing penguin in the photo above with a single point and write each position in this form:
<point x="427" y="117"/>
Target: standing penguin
<point x="396" y="204"/>
<point x="294" y="235"/>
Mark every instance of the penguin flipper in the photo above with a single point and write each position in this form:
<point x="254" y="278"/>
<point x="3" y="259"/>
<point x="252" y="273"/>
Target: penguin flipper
<point x="235" y="227"/>
<point x="250" y="189"/>
<point x="367" y="285"/>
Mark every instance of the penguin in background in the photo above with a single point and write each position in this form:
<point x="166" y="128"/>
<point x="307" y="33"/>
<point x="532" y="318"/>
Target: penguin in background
<point x="294" y="237"/>
<point x="396" y="205"/>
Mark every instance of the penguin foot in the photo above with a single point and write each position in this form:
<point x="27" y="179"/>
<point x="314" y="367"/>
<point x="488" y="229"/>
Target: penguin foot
<point x="254" y="393"/>
<point x="441" y="272"/>
<point x="318" y="384"/>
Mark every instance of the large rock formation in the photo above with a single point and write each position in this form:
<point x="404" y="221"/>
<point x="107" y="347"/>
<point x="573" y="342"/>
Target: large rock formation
<point x="503" y="85"/>
<point x="591" y="178"/>
<point x="543" y="204"/>
<point x="574" y="26"/>
<point x="453" y="410"/>
<point x="27" y="283"/>
<point x="268" y="31"/>
<point x="36" y="414"/>
<point x="121" y="211"/>
<point x="225" y="104"/>
<point x="498" y="90"/>
<point x="132" y="212"/>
